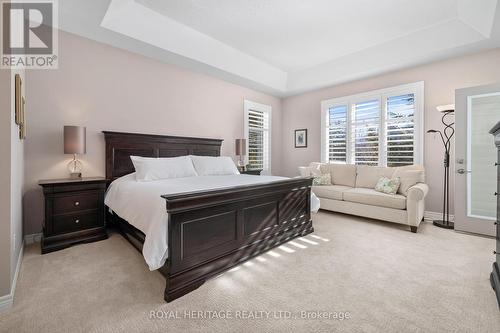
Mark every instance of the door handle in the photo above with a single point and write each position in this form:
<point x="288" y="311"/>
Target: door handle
<point x="462" y="171"/>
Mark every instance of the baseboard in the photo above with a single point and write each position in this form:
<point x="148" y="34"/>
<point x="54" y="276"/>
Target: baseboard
<point x="431" y="216"/>
<point x="33" y="238"/>
<point x="7" y="301"/>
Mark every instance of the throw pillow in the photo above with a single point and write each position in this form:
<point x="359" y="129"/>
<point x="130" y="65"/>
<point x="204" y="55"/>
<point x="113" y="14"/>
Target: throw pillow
<point x="389" y="186"/>
<point x="321" y="180"/>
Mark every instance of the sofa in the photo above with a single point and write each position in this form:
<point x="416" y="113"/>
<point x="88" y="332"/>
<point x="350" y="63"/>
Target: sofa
<point x="352" y="191"/>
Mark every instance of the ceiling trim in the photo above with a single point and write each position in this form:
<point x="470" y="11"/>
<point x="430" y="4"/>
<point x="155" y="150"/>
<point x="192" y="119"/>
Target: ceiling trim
<point x="132" y="19"/>
<point x="133" y="26"/>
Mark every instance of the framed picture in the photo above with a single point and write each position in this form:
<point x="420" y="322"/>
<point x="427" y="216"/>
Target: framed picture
<point x="18" y="98"/>
<point x="301" y="138"/>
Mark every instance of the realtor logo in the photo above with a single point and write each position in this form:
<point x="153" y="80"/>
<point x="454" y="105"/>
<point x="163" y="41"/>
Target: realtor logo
<point x="29" y="34"/>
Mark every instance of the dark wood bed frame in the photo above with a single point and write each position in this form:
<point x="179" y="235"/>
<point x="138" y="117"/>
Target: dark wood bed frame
<point x="211" y="231"/>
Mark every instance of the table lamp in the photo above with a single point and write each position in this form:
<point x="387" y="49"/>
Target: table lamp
<point x="240" y="151"/>
<point x="75" y="138"/>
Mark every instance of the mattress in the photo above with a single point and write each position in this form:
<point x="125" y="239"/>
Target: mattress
<point x="141" y="205"/>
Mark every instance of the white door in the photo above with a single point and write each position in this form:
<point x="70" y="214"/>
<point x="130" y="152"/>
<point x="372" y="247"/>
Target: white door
<point x="477" y="111"/>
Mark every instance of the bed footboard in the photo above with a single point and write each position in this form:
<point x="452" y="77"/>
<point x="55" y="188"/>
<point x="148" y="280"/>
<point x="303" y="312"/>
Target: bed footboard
<point x="212" y="231"/>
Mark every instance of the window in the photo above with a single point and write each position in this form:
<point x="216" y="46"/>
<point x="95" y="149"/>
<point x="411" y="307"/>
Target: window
<point x="258" y="135"/>
<point x="382" y="127"/>
<point x="337" y="134"/>
<point x="366" y="127"/>
<point x="400" y="124"/>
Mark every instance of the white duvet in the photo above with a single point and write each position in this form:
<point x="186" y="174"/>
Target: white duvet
<point x="140" y="204"/>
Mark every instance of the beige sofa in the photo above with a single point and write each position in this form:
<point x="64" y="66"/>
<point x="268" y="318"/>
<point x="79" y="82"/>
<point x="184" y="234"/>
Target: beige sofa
<point x="352" y="192"/>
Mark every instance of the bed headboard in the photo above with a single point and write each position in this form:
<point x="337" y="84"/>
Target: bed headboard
<point x="120" y="146"/>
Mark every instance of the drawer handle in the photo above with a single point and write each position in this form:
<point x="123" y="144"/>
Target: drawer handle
<point x="77" y="221"/>
<point x="496" y="193"/>
<point x="77" y="203"/>
<point x="494" y="252"/>
<point x="495" y="223"/>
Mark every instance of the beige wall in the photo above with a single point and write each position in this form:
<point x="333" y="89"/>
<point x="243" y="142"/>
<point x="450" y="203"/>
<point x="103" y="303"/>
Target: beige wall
<point x="16" y="179"/>
<point x="105" y="88"/>
<point x="441" y="79"/>
<point x="5" y="182"/>
<point x="11" y="183"/>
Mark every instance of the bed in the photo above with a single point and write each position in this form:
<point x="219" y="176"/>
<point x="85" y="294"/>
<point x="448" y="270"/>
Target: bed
<point x="208" y="227"/>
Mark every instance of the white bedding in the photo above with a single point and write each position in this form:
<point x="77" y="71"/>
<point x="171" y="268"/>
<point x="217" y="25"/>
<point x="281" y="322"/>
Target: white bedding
<point x="140" y="204"/>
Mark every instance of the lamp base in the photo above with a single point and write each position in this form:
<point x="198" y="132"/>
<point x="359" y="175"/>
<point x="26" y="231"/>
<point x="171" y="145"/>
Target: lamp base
<point x="444" y="224"/>
<point x="75" y="175"/>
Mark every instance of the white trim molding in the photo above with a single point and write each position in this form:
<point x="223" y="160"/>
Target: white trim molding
<point x="266" y="109"/>
<point x="7" y="301"/>
<point x="32" y="238"/>
<point x="431" y="216"/>
<point x="381" y="96"/>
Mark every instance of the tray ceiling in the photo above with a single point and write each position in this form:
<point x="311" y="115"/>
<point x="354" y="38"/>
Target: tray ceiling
<point x="289" y="46"/>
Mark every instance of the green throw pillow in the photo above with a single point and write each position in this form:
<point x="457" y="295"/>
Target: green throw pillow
<point x="324" y="179"/>
<point x="389" y="186"/>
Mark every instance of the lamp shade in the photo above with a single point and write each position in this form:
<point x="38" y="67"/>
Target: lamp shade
<point x="241" y="147"/>
<point x="75" y="140"/>
<point x="446" y="108"/>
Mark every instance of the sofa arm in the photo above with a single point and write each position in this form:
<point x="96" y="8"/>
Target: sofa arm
<point x="415" y="204"/>
<point x="418" y="192"/>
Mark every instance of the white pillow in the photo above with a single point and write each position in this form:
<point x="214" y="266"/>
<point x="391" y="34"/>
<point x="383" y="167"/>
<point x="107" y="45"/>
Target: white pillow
<point x="147" y="168"/>
<point x="214" y="166"/>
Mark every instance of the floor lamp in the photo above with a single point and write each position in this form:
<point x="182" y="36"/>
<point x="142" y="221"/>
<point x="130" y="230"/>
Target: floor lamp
<point x="446" y="135"/>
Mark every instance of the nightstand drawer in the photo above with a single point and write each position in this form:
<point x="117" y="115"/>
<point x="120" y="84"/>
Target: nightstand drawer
<point x="76" y="202"/>
<point x="76" y="222"/>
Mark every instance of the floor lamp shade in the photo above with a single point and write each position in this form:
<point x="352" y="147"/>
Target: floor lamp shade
<point x="75" y="140"/>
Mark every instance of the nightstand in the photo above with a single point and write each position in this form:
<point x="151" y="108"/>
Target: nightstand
<point x="251" y="172"/>
<point x="74" y="212"/>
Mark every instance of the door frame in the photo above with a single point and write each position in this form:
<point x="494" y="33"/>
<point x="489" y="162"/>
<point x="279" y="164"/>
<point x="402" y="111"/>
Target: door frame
<point x="463" y="222"/>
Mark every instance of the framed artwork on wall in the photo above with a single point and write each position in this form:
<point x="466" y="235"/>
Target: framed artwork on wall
<point x="18" y="98"/>
<point x="301" y="138"/>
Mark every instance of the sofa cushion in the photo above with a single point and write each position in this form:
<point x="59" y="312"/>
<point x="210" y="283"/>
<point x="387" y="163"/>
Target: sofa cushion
<point x="343" y="174"/>
<point x="414" y="167"/>
<point x="369" y="196"/>
<point x="325" y="168"/>
<point x="330" y="191"/>
<point x="368" y="176"/>
<point x="408" y="178"/>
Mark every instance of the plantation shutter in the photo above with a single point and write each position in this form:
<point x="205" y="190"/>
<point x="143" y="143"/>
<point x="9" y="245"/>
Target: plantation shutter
<point x="400" y="128"/>
<point x="258" y="139"/>
<point x="366" y="126"/>
<point x="337" y="134"/>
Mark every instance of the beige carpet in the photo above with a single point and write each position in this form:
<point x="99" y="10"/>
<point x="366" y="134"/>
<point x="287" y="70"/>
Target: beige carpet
<point x="388" y="279"/>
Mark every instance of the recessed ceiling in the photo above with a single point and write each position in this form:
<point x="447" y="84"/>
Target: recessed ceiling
<point x="289" y="46"/>
<point x="294" y="35"/>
